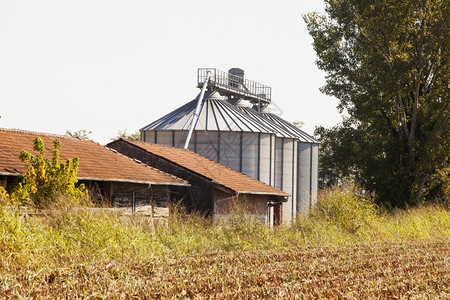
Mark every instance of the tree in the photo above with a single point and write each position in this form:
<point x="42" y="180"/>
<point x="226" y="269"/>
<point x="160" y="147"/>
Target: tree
<point x="298" y="124"/>
<point x="82" y="133"/>
<point x="136" y="136"/>
<point x="45" y="180"/>
<point x="336" y="148"/>
<point x="388" y="64"/>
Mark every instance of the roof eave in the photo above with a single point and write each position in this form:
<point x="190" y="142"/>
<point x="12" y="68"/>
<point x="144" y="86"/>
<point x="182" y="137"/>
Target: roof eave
<point x="111" y="180"/>
<point x="10" y="174"/>
<point x="133" y="181"/>
<point x="285" y="196"/>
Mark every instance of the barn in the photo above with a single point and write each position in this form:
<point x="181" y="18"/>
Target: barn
<point x="214" y="189"/>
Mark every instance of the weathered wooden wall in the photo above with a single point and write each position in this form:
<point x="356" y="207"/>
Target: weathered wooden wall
<point x="250" y="205"/>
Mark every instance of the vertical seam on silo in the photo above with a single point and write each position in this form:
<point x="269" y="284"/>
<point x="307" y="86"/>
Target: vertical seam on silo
<point x="310" y="177"/>
<point x="240" y="151"/>
<point x="259" y="155"/>
<point x="282" y="163"/>
<point x="270" y="162"/>
<point x="173" y="138"/>
<point x="156" y="138"/>
<point x="298" y="176"/>
<point x="294" y="210"/>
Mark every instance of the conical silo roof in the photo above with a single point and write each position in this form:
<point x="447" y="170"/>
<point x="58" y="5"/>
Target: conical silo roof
<point x="292" y="129"/>
<point x="258" y="117"/>
<point x="215" y="114"/>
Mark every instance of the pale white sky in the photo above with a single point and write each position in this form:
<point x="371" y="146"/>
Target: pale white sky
<point x="112" y="65"/>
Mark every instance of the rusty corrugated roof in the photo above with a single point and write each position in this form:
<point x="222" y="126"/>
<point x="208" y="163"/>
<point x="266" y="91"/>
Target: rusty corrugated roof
<point x="96" y="161"/>
<point x="216" y="172"/>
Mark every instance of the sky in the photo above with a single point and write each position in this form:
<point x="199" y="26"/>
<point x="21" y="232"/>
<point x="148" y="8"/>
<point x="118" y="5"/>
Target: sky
<point x="106" y="66"/>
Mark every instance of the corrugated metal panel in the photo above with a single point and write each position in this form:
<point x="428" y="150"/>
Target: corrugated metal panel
<point x="205" y="144"/>
<point x="230" y="150"/>
<point x="287" y="186"/>
<point x="278" y="167"/>
<point x="164" y="137"/>
<point x="250" y="154"/>
<point x="304" y="177"/>
<point x="179" y="137"/>
<point x="294" y="178"/>
<point x="314" y="173"/>
<point x="265" y="158"/>
<point x="148" y="136"/>
<point x="272" y="155"/>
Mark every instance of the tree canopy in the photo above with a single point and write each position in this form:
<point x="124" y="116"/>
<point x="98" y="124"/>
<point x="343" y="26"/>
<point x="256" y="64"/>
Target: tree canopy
<point x="388" y="64"/>
<point x="136" y="136"/>
<point x="82" y="133"/>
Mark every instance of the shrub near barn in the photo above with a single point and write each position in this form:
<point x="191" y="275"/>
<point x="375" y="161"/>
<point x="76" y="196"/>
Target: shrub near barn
<point x="46" y="181"/>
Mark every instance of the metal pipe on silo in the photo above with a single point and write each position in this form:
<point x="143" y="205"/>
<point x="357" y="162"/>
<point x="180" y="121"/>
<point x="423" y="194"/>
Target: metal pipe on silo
<point x="197" y="110"/>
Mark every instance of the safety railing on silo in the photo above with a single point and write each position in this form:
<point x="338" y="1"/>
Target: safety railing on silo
<point x="231" y="85"/>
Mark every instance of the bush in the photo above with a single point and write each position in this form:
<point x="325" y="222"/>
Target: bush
<point x="348" y="207"/>
<point x="5" y="199"/>
<point x="46" y="181"/>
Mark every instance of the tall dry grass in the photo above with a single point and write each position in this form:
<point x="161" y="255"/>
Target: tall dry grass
<point x="342" y="216"/>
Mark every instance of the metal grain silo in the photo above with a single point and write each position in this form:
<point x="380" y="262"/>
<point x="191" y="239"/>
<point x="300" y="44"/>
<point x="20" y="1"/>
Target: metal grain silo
<point x="307" y="164"/>
<point x="221" y="124"/>
<point x="285" y="156"/>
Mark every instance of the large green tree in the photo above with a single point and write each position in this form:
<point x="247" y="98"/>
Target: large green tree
<point x="388" y="64"/>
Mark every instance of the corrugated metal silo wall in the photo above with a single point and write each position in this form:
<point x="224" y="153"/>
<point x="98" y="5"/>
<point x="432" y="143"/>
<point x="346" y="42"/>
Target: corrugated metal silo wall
<point x="205" y="144"/>
<point x="250" y="154"/>
<point x="307" y="168"/>
<point x="288" y="178"/>
<point x="294" y="180"/>
<point x="148" y="136"/>
<point x="286" y="174"/>
<point x="266" y="164"/>
<point x="278" y="158"/>
<point x="230" y="150"/>
<point x="285" y="163"/>
<point x="314" y="173"/>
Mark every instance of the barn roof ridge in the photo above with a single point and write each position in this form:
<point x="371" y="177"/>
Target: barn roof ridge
<point x="55" y="135"/>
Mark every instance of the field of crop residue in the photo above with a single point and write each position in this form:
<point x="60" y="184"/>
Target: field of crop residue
<point x="378" y="270"/>
<point x="413" y="270"/>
